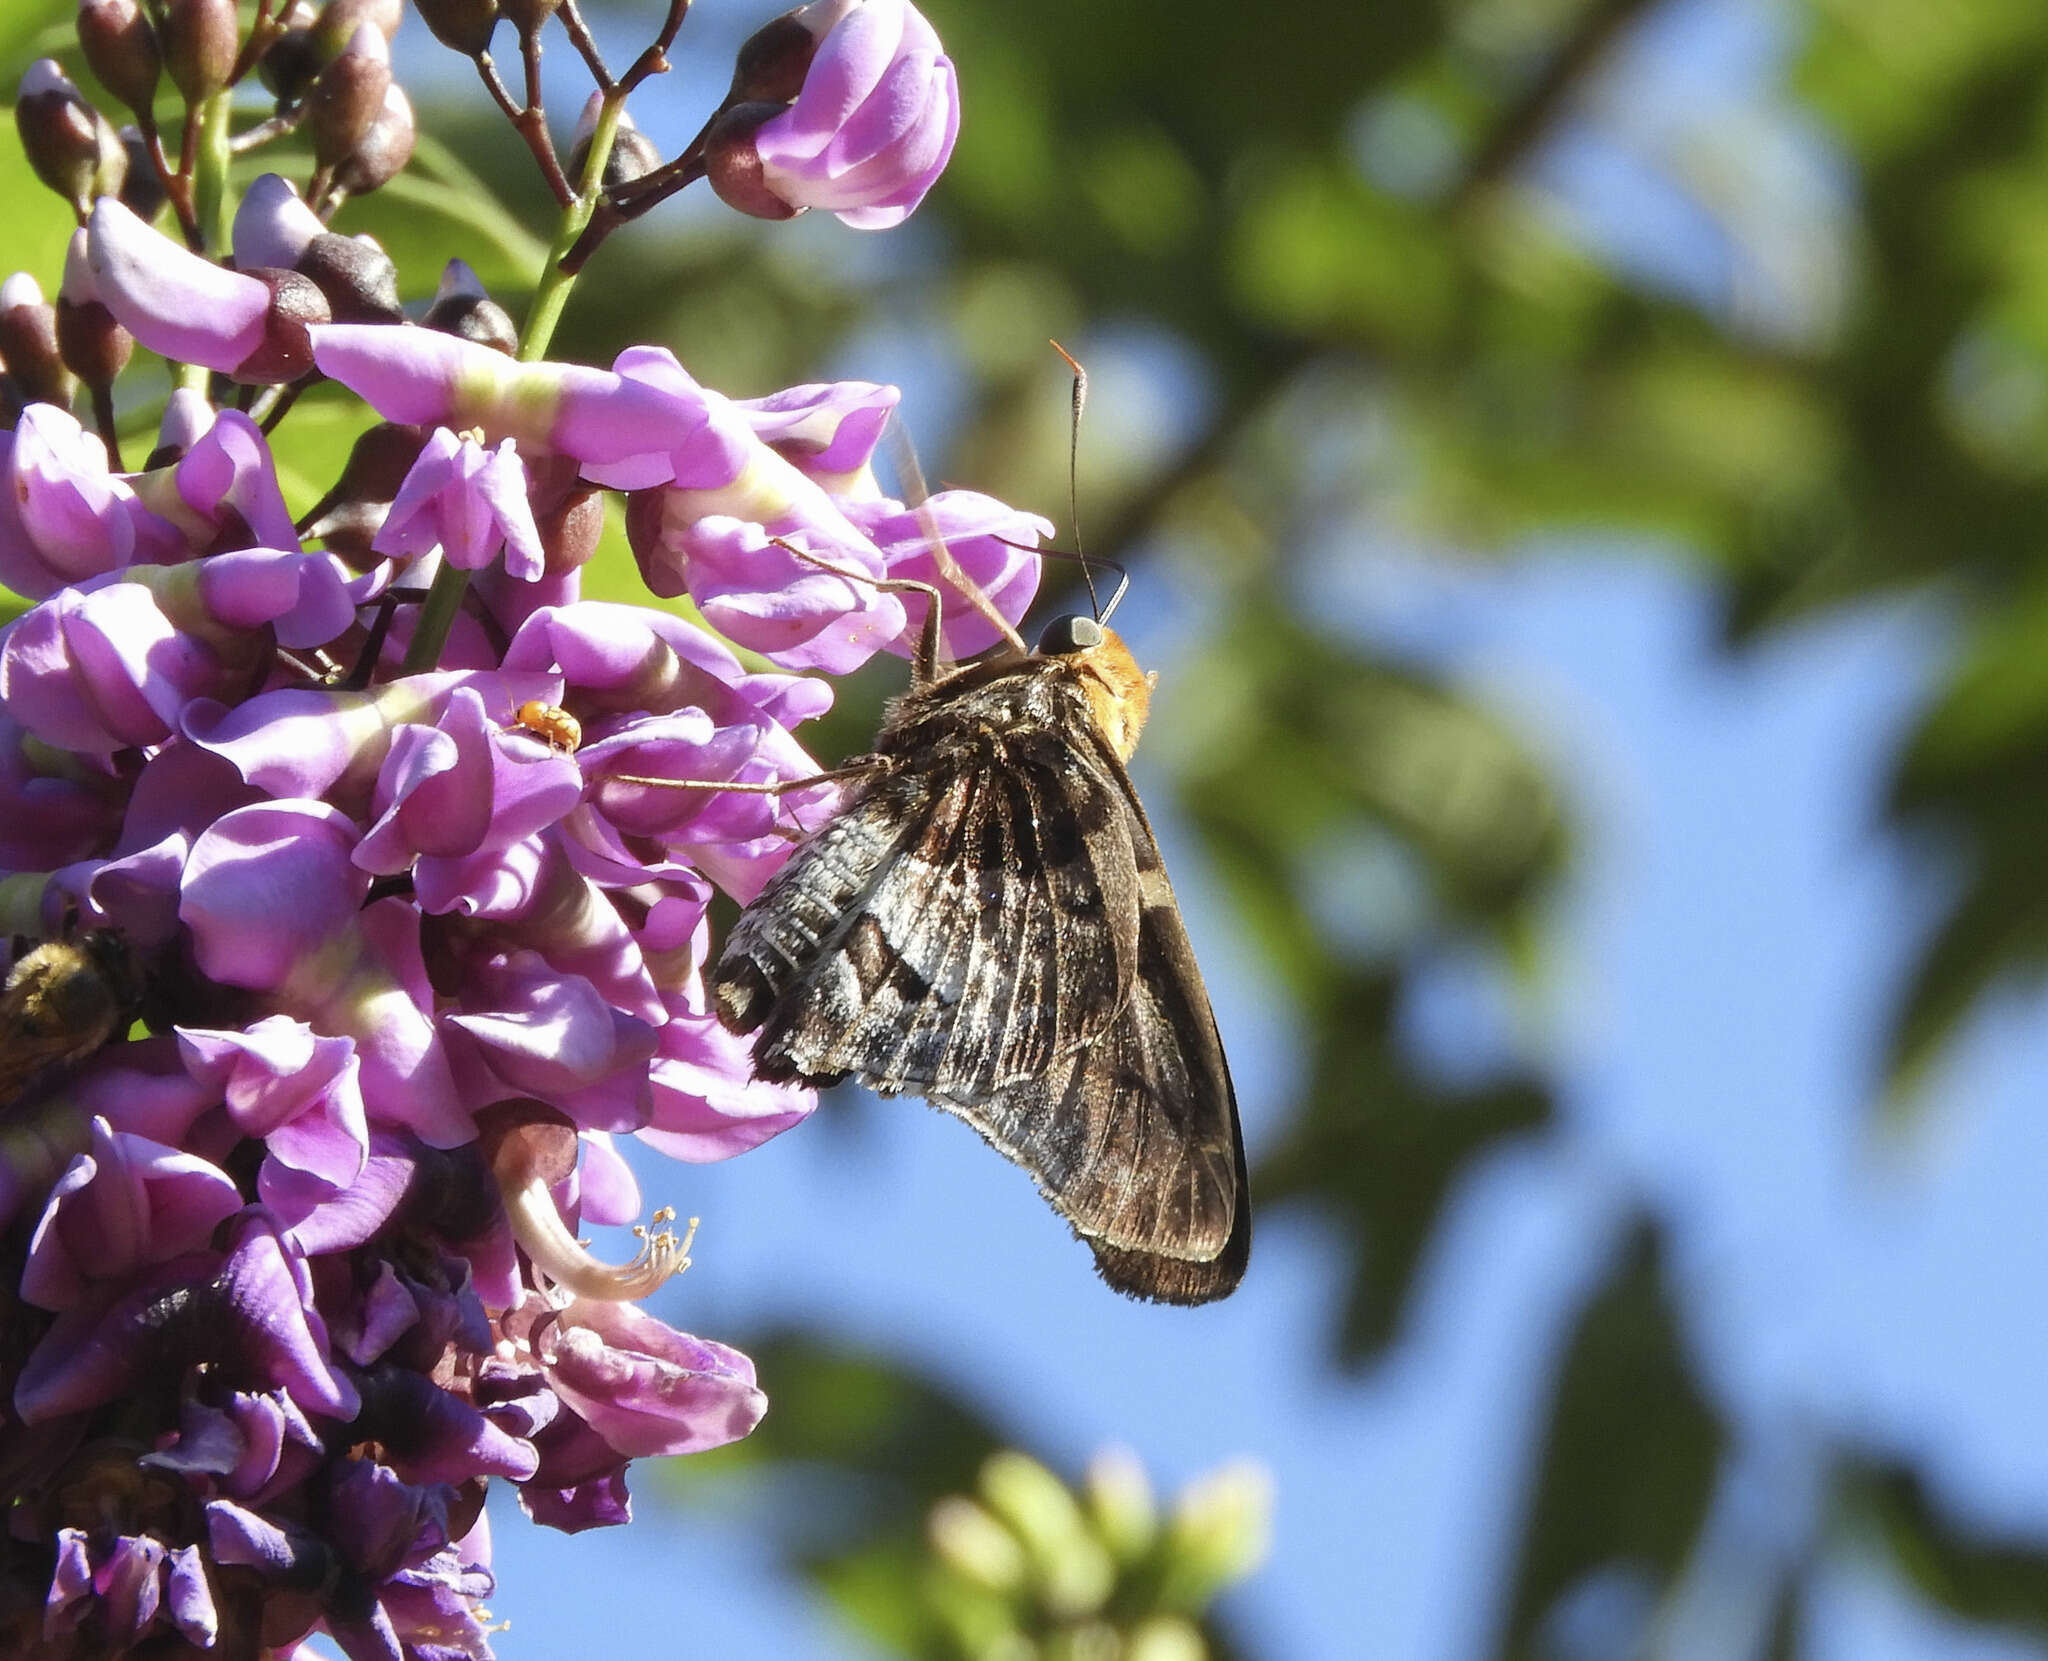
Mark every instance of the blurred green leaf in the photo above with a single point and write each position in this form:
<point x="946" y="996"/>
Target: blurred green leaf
<point x="1376" y="1148"/>
<point x="1976" y="1576"/>
<point x="1630" y="1455"/>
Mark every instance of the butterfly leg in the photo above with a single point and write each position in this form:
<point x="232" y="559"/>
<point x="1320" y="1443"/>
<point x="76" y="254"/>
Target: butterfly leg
<point x="865" y="767"/>
<point x="924" y="667"/>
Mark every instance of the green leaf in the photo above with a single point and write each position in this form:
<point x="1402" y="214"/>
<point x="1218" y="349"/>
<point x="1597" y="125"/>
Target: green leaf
<point x="1977" y="1576"/>
<point x="1631" y="1455"/>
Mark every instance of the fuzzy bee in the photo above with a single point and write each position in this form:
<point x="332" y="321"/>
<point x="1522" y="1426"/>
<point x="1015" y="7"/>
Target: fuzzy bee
<point x="61" y="1001"/>
<point x="987" y="923"/>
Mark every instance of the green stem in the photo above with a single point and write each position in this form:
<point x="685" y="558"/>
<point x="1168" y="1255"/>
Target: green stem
<point x="210" y="173"/>
<point x="444" y="598"/>
<point x="551" y="295"/>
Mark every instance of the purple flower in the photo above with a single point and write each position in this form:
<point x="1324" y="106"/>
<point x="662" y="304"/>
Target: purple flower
<point x="989" y="542"/>
<point x="175" y="302"/>
<point x="641" y="1385"/>
<point x="429" y="378"/>
<point x="250" y="1310"/>
<point x="63" y="516"/>
<point x="127" y="1204"/>
<point x="874" y="125"/>
<point x="299" y="1093"/>
<point x="470" y="503"/>
<point x="828" y="430"/>
<point x="120" y="1594"/>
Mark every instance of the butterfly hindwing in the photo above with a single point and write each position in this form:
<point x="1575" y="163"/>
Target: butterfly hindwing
<point x="1135" y="1138"/>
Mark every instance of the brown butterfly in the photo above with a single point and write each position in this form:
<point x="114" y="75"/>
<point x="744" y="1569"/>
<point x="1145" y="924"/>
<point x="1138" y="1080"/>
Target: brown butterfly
<point x="987" y="923"/>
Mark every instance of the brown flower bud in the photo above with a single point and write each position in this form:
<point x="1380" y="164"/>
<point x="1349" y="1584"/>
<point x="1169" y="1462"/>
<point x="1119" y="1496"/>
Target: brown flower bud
<point x="289" y="64"/>
<point x="462" y="308"/>
<point x="142" y="192"/>
<point x="568" y="513"/>
<point x="643" y="521"/>
<point x="350" y="515"/>
<point x="28" y="343"/>
<point x="348" y="96"/>
<point x="529" y="17"/>
<point x="200" y="39"/>
<point x="633" y="154"/>
<point x="120" y="47"/>
<point x="772" y="63"/>
<point x="733" y="164"/>
<point x="358" y="278"/>
<point x="92" y="344"/>
<point x="296" y="304"/>
<point x="463" y="25"/>
<point x="384" y="150"/>
<point x="339" y="22"/>
<point x="72" y="147"/>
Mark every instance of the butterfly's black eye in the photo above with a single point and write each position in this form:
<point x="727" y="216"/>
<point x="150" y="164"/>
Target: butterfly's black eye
<point x="1070" y="634"/>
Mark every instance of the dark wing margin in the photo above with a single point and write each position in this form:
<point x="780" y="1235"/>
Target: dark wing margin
<point x="1136" y="1141"/>
<point x="956" y="930"/>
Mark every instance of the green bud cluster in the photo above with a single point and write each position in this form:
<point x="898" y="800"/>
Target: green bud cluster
<point x="1027" y="1569"/>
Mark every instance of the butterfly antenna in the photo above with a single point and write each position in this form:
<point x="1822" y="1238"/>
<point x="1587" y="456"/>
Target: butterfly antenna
<point x="918" y="497"/>
<point x="1074" y="495"/>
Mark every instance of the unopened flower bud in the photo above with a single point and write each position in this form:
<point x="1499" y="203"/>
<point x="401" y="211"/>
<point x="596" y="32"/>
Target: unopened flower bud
<point x="347" y="519"/>
<point x="200" y="39"/>
<point x="348" y="96"/>
<point x="357" y="276"/>
<point x="633" y="154"/>
<point x="462" y="308"/>
<point x="383" y="151"/>
<point x="286" y="352"/>
<point x="1166" y="1638"/>
<point x="93" y="345"/>
<point x="1073" y="1572"/>
<point x="289" y="64"/>
<point x="733" y="163"/>
<point x="341" y="18"/>
<point x="72" y="147"/>
<point x="273" y="225"/>
<point x="772" y="62"/>
<point x="463" y="25"/>
<point x="976" y="1546"/>
<point x="120" y="46"/>
<point x="28" y="342"/>
<point x="1222" y="1529"/>
<point x="1120" y="1504"/>
<point x="529" y="16"/>
<point x="567" y="513"/>
<point x="141" y="191"/>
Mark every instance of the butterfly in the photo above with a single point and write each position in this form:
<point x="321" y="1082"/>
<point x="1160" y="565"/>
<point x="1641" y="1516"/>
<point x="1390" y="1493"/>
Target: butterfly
<point x="987" y="923"/>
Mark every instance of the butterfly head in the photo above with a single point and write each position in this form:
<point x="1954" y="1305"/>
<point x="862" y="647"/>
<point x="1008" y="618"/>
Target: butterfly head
<point x="1117" y="690"/>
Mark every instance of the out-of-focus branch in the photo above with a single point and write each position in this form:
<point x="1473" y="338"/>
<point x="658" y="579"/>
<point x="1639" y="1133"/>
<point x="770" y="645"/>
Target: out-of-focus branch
<point x="1525" y="122"/>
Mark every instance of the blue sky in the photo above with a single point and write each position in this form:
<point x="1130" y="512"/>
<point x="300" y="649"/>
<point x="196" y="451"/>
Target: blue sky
<point x="1722" y="963"/>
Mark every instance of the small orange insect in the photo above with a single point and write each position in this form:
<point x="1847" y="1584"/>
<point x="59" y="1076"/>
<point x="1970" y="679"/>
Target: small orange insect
<point x="551" y="724"/>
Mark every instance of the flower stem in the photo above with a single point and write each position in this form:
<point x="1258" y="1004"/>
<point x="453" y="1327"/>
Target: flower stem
<point x="210" y="173"/>
<point x="550" y="296"/>
<point x="552" y="293"/>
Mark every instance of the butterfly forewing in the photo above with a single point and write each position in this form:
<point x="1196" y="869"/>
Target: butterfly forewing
<point x="971" y="917"/>
<point x="987" y="924"/>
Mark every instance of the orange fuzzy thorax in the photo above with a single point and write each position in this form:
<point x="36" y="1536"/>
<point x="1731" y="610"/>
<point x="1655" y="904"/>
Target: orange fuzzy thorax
<point x="1118" y="692"/>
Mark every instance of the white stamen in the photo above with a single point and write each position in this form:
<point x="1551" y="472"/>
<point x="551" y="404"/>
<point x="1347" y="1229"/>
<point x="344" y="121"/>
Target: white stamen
<point x="564" y="1260"/>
